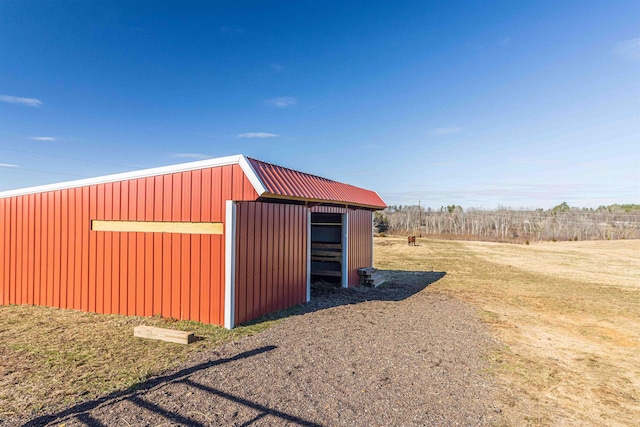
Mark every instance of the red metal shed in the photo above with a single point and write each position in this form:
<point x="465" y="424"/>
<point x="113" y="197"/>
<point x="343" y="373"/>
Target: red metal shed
<point x="220" y="241"/>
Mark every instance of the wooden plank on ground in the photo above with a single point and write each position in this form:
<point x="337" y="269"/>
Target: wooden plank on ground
<point x="326" y="273"/>
<point x="170" y="335"/>
<point x="315" y="245"/>
<point x="326" y="253"/>
<point x="366" y="271"/>
<point x="337" y="259"/>
<point x="326" y="259"/>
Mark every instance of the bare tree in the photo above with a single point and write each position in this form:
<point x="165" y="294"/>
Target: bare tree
<point x="506" y="224"/>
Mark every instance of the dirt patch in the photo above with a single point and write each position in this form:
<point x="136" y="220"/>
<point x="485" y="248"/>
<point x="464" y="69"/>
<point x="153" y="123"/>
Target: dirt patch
<point x="396" y="355"/>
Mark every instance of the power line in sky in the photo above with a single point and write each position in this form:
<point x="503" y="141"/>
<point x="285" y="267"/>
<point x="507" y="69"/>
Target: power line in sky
<point x="48" y="172"/>
<point x="66" y="157"/>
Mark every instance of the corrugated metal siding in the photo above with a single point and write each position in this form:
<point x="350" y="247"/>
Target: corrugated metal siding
<point x="271" y="254"/>
<point x="50" y="256"/>
<point x="360" y="235"/>
<point x="289" y="183"/>
<point x="360" y="239"/>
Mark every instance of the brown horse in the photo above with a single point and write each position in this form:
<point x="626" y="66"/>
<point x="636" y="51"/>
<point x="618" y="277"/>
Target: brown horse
<point x="411" y="240"/>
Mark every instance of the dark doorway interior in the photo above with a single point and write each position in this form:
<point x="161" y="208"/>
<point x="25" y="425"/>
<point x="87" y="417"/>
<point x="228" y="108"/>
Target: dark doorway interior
<point x="326" y="248"/>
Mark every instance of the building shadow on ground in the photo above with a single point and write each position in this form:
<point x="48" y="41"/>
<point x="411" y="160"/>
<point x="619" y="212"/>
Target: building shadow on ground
<point x="398" y="285"/>
<point x="82" y="412"/>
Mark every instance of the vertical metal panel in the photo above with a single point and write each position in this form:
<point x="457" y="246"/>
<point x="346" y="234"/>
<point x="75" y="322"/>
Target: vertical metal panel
<point x="111" y="248"/>
<point x="253" y="269"/>
<point x="308" y="246"/>
<point x="67" y="252"/>
<point x="21" y="251"/>
<point x="139" y="284"/>
<point x="24" y="271"/>
<point x="86" y="224"/>
<point x="49" y="197"/>
<point x="149" y="257"/>
<point x="296" y="260"/>
<point x="4" y="249"/>
<point x="158" y="248"/>
<point x="130" y="238"/>
<point x="57" y="255"/>
<point x="185" y="279"/>
<point x="264" y="250"/>
<point x="11" y="252"/>
<point x="75" y="246"/>
<point x="176" y="215"/>
<point x="77" y="226"/>
<point x="225" y="193"/>
<point x="64" y="252"/>
<point x="30" y="247"/>
<point x="100" y="284"/>
<point x="360" y="237"/>
<point x="167" y="239"/>
<point x="213" y="289"/>
<point x="4" y="265"/>
<point x="204" y="305"/>
<point x="216" y="284"/>
<point x="280" y="266"/>
<point x="196" y="272"/>
<point x="38" y="249"/>
<point x="271" y="258"/>
<point x="19" y="221"/>
<point x="241" y="247"/>
<point x="51" y="257"/>
<point x="174" y="284"/>
<point x="122" y="250"/>
<point x="196" y="247"/>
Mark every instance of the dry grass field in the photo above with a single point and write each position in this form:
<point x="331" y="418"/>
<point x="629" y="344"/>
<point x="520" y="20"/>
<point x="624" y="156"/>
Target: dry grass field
<point x="568" y="315"/>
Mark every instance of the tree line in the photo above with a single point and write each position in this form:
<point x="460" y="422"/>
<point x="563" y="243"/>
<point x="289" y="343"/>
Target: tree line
<point x="562" y="222"/>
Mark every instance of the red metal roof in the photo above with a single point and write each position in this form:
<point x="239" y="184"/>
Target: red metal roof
<point x="287" y="183"/>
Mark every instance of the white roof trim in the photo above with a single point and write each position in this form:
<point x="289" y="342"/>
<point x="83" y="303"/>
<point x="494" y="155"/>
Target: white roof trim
<point x="163" y="170"/>
<point x="257" y="183"/>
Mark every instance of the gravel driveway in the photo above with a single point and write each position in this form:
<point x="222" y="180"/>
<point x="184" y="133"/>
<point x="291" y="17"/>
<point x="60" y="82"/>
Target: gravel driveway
<point x="400" y="355"/>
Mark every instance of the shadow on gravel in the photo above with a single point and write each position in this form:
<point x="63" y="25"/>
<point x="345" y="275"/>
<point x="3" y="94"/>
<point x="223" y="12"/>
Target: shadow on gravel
<point x="399" y="285"/>
<point x="81" y="411"/>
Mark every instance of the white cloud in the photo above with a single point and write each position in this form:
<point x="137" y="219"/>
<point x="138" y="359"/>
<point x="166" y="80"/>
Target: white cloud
<point x="281" y="102"/>
<point x="29" y="102"/>
<point x="445" y="131"/>
<point x="257" y="135"/>
<point x="191" y="156"/>
<point x="8" y="165"/>
<point x="43" y="138"/>
<point x="629" y="49"/>
<point x="277" y="67"/>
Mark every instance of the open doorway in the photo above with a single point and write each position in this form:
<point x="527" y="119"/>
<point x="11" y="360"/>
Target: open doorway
<point x="327" y="250"/>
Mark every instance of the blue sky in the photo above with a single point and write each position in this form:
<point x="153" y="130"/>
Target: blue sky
<point x="478" y="104"/>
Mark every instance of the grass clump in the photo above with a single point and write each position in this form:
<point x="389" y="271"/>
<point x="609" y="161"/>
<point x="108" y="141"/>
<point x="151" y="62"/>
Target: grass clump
<point x="52" y="357"/>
